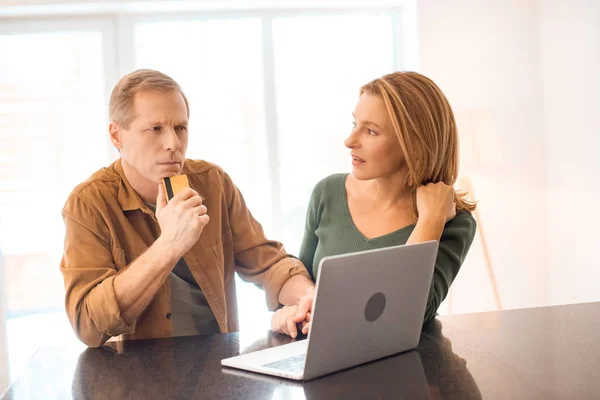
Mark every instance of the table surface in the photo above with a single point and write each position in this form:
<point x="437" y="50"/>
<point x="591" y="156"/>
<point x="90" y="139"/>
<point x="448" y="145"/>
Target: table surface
<point x="538" y="353"/>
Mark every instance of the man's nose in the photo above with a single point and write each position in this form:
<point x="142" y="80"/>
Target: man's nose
<point x="171" y="140"/>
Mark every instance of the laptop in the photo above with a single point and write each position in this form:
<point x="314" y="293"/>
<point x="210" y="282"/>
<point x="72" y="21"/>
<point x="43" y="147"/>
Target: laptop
<point x="368" y="305"/>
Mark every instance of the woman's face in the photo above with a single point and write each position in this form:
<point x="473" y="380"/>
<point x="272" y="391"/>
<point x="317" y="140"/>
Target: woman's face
<point x="375" y="149"/>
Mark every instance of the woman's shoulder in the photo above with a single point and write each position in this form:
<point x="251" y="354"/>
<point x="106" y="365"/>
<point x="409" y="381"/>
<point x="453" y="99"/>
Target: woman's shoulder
<point x="329" y="185"/>
<point x="462" y="224"/>
<point x="333" y="178"/>
<point x="465" y="217"/>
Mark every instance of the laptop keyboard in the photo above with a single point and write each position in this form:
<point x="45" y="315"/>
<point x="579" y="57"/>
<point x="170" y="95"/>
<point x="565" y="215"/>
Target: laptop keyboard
<point x="290" y="364"/>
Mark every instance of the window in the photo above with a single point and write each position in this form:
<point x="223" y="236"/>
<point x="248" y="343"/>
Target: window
<point x="271" y="95"/>
<point x="52" y="124"/>
<point x="221" y="74"/>
<point x="320" y="64"/>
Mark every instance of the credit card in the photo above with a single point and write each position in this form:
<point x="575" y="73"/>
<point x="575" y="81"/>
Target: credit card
<point x="175" y="184"/>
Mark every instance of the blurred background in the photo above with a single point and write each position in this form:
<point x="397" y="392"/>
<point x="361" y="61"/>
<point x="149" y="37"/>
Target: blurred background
<point x="272" y="85"/>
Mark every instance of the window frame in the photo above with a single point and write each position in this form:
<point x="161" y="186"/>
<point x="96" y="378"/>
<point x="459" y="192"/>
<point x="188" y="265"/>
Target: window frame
<point x="116" y="22"/>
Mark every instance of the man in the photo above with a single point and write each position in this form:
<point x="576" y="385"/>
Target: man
<point x="138" y="266"/>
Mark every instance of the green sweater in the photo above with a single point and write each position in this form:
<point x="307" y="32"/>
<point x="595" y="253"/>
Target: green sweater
<point x="331" y="231"/>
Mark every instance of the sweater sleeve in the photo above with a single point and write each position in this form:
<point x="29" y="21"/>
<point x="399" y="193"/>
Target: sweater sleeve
<point x="313" y="217"/>
<point x="454" y="245"/>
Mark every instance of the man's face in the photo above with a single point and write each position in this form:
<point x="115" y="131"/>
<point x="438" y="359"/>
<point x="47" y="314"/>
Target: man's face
<point x="154" y="145"/>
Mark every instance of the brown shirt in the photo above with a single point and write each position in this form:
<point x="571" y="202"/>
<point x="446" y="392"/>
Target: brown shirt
<point x="107" y="226"/>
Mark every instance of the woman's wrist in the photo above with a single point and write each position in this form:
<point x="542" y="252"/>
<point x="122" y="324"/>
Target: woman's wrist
<point x="427" y="228"/>
<point x="431" y="219"/>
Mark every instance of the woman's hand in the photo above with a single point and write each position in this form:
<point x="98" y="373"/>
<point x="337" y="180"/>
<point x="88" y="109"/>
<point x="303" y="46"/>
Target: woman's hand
<point x="435" y="201"/>
<point x="435" y="205"/>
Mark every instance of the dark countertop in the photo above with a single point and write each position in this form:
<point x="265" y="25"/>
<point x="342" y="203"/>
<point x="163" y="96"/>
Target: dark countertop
<point x="538" y="353"/>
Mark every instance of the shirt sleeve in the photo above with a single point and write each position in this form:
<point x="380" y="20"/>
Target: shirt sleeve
<point x="89" y="270"/>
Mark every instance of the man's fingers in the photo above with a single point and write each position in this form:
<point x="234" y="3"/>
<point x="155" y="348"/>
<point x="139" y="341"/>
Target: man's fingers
<point x="200" y="210"/>
<point x="291" y="328"/>
<point x="161" y="199"/>
<point x="283" y="321"/>
<point x="303" y="324"/>
<point x="195" y="201"/>
<point x="204" y="219"/>
<point x="186" y="194"/>
<point x="304" y="306"/>
<point x="306" y="328"/>
<point x="299" y="317"/>
<point x="275" y="322"/>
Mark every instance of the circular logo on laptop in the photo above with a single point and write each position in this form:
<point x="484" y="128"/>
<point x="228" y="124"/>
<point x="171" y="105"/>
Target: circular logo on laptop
<point x="375" y="307"/>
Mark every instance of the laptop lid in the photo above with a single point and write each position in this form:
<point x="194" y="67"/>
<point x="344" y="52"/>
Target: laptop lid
<point x="368" y="305"/>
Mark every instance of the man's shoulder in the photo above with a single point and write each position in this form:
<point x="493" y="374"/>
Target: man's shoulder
<point x="203" y="174"/>
<point x="201" y="167"/>
<point x="95" y="190"/>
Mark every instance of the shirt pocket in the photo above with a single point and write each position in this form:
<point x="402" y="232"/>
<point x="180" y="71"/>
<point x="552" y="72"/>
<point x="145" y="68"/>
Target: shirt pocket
<point x="206" y="258"/>
<point x="218" y="257"/>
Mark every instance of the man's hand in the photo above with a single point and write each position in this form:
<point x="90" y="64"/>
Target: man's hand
<point x="283" y="321"/>
<point x="181" y="222"/>
<point x="286" y="319"/>
<point x="182" y="219"/>
<point x="304" y="310"/>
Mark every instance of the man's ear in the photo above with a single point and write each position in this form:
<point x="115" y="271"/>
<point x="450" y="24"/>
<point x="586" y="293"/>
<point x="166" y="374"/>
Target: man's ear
<point x="115" y="135"/>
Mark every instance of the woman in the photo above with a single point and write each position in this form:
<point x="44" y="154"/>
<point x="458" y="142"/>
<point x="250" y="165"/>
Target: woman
<point x="404" y="150"/>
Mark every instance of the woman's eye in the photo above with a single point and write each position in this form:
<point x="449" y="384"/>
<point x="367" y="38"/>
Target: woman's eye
<point x="371" y="132"/>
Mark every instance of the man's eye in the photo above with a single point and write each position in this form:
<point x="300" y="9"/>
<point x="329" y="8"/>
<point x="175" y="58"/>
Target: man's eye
<point x="181" y="128"/>
<point x="157" y="128"/>
<point x="354" y="124"/>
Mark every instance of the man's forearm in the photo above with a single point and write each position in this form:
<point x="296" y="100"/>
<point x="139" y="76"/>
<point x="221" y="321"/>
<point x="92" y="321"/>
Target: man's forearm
<point x="136" y="287"/>
<point x="294" y="289"/>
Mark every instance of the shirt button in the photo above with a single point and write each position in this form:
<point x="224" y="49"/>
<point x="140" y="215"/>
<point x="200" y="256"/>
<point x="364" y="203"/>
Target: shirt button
<point x="168" y="315"/>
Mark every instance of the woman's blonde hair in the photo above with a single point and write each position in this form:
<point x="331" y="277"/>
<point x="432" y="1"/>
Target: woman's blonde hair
<point x="424" y="123"/>
<point x="120" y="108"/>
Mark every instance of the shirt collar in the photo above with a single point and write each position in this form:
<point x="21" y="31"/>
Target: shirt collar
<point x="128" y="198"/>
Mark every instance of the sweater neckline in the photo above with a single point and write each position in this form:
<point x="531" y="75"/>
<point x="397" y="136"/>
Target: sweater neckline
<point x="354" y="227"/>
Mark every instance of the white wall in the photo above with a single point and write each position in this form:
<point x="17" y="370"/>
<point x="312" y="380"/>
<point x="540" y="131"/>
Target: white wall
<point x="4" y="374"/>
<point x="532" y="68"/>
<point x="485" y="56"/>
<point x="570" y="54"/>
